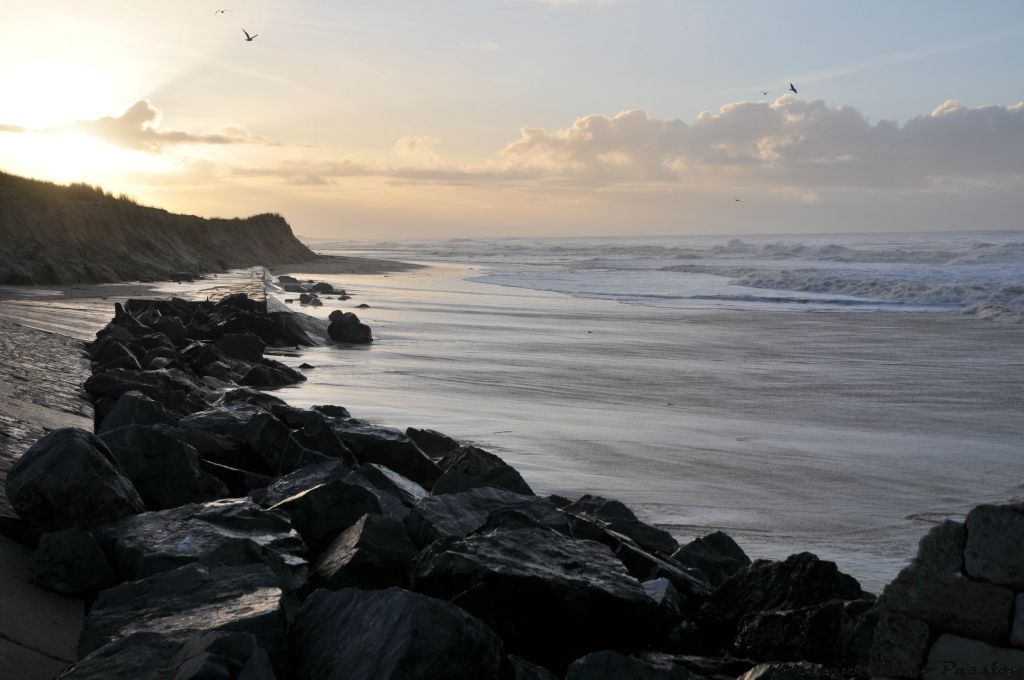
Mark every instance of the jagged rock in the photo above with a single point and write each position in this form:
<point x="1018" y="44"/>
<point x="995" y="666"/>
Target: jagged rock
<point x="153" y="656"/>
<point x="787" y="671"/>
<point x="644" y="566"/>
<point x="716" y="556"/>
<point x="69" y="478"/>
<point x="941" y="550"/>
<point x="375" y="552"/>
<point x="134" y="408"/>
<point x="1017" y="632"/>
<point x="431" y="442"/>
<point x="190" y="600"/>
<point x="163" y="386"/>
<point x="995" y="544"/>
<point x="385" y="479"/>
<point x="457" y="515"/>
<point x="469" y="467"/>
<point x="346" y="327"/>
<point x="318" y="435"/>
<point x="217" y="532"/>
<point x="612" y="665"/>
<point x="300" y="480"/>
<point x="953" y="656"/>
<point x="524" y="670"/>
<point x="806" y="634"/>
<point x="899" y="646"/>
<point x="324" y="511"/>
<point x="287" y="279"/>
<point x="71" y="562"/>
<point x="271" y="374"/>
<point x="238" y="482"/>
<point x="162" y="466"/>
<point x="245" y="346"/>
<point x="280" y="451"/>
<point x="550" y="597"/>
<point x="322" y="288"/>
<point x="391" y="635"/>
<point x="670" y="602"/>
<point x="332" y="411"/>
<point x="801" y="580"/>
<point x="952" y="604"/>
<point x="388" y="447"/>
<point x="621" y="519"/>
<point x="114" y="354"/>
<point x="254" y="397"/>
<point x="221" y="435"/>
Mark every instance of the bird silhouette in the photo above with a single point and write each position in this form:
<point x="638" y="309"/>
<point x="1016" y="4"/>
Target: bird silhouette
<point x="738" y="200"/>
<point x="222" y="11"/>
<point x="765" y="93"/>
<point x="249" y="38"/>
<point x="792" y="89"/>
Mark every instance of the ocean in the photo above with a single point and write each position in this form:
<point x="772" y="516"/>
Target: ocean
<point x="837" y="394"/>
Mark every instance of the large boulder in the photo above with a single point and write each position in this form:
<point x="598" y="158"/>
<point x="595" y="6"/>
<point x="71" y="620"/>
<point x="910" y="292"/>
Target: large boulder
<point x="716" y="556"/>
<point x="194" y="599"/>
<point x="163" y="467"/>
<point x="269" y="373"/>
<point x="388" y="447"/>
<point x="154" y="656"/>
<point x="899" y="646"/>
<point x="801" y="580"/>
<point x="802" y="670"/>
<point x="244" y="346"/>
<point x="375" y="552"/>
<point x="994" y="550"/>
<point x="324" y="511"/>
<point x="617" y="517"/>
<point x="612" y="665"/>
<point x="300" y="480"/>
<point x="134" y="408"/>
<point x="813" y="633"/>
<point x="469" y="467"/>
<point x="391" y="635"/>
<point x="348" y="329"/>
<point x="280" y="451"/>
<point x="71" y="562"/>
<point x="168" y="388"/>
<point x="221" y="434"/>
<point x="457" y="515"/>
<point x="234" y="531"/>
<point x="550" y="597"/>
<point x="69" y="478"/>
<point x="433" y="443"/>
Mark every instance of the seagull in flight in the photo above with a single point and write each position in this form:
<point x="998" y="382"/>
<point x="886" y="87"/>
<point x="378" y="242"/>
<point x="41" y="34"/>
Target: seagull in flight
<point x="765" y="93"/>
<point x="249" y="38"/>
<point x="738" y="200"/>
<point x="792" y="89"/>
<point x="221" y="11"/>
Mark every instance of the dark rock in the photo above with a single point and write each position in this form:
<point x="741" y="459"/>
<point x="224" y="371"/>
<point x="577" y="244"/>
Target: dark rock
<point x="524" y="670"/>
<point x="71" y="562"/>
<point x="238" y="482"/>
<point x="363" y="306"/>
<point x="245" y="346"/>
<point x="801" y="580"/>
<point x="190" y="600"/>
<point x="323" y="288"/>
<point x="475" y="468"/>
<point x="670" y="602"/>
<point x="308" y="298"/>
<point x="163" y="386"/>
<point x="271" y="374"/>
<point x="431" y="442"/>
<point x="287" y="279"/>
<point x="458" y="515"/>
<point x="306" y="366"/>
<point x="300" y="480"/>
<point x="960" y="657"/>
<point x="115" y="355"/>
<point x="621" y="519"/>
<point x="254" y="397"/>
<point x="154" y="542"/>
<point x="69" y="478"/>
<point x="375" y="552"/>
<point x="899" y="646"/>
<point x="716" y="556"/>
<point x="346" y="330"/>
<point x="171" y="326"/>
<point x="333" y="411"/>
<point x="613" y="665"/>
<point x="391" y="635"/>
<point x="551" y="598"/>
<point x="995" y="544"/>
<point x="788" y="671"/>
<point x="941" y="550"/>
<point x="221" y="435"/>
<point x="317" y="434"/>
<point x="388" y="447"/>
<point x="339" y="315"/>
<point x="134" y="408"/>
<point x="805" y="634"/>
<point x="162" y="466"/>
<point x="280" y="451"/>
<point x="324" y="511"/>
<point x="388" y="481"/>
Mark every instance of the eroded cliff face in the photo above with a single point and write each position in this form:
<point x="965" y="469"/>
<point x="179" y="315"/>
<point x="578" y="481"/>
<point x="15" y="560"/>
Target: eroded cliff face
<point x="53" y="234"/>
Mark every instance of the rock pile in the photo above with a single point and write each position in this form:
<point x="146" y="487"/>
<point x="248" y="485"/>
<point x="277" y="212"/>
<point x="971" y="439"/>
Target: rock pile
<point x="215" y="531"/>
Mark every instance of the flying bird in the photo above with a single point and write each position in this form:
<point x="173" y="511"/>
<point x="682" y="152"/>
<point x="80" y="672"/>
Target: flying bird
<point x="792" y="89"/>
<point x="765" y="93"/>
<point x="738" y="200"/>
<point x="249" y="38"/>
<point x="222" y="11"/>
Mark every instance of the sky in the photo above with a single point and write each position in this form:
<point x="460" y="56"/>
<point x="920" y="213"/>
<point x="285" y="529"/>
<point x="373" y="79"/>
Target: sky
<point x="415" y="119"/>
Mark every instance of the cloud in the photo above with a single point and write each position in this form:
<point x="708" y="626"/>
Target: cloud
<point x="418" y="149"/>
<point x="139" y="128"/>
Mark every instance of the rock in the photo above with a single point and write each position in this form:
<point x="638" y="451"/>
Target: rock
<point x="115" y="355"/>
<point x="524" y="670"/>
<point x="941" y="550"/>
<point x="388" y="481"/>
<point x="613" y="665"/>
<point x="69" y="478"/>
<point x="953" y="656"/>
<point x="805" y="634"/>
<point x="952" y="604"/>
<point x="163" y="387"/>
<point x="669" y="601"/>
<point x="300" y="480"/>
<point x="458" y="515"/>
<point x="391" y="635"/>
<point x="287" y="279"/>
<point x="217" y="533"/>
<point x="317" y="434"/>
<point x="645" y="566"/>
<point x="245" y="346"/>
<point x="321" y="513"/>
<point x="621" y="519"/>
<point x="899" y="646"/>
<point x="280" y="451"/>
<point x="323" y="288"/>
<point x="333" y="411"/>
<point x="253" y="397"/>
<point x="801" y="580"/>
<point x="238" y="482"/>
<point x="349" y="331"/>
<point x="375" y="552"/>
<point x="134" y="408"/>
<point x="221" y="435"/>
<point x="194" y="599"/>
<point x="152" y="656"/>
<point x="363" y="306"/>
<point x="995" y="545"/>
<point x="162" y="466"/>
<point x="550" y="597"/>
<point x="1017" y="631"/>
<point x="306" y="366"/>
<point x="787" y="671"/>
<point x="71" y="562"/>
<point x="388" y="447"/>
<point x="308" y="298"/>
<point x="432" y="442"/>
<point x="478" y="468"/>
<point x="716" y="556"/>
<point x="271" y="374"/>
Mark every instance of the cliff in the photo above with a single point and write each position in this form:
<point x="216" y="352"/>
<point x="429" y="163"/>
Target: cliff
<point x="54" y="234"/>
